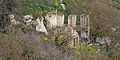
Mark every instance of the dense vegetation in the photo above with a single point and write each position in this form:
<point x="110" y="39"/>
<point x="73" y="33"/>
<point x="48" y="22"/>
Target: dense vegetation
<point x="20" y="43"/>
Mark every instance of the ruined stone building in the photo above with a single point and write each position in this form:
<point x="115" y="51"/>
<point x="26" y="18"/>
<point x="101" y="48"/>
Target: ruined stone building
<point x="55" y="23"/>
<point x="57" y="20"/>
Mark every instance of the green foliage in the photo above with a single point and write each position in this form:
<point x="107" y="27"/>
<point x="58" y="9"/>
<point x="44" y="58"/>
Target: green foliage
<point x="31" y="7"/>
<point x="111" y="55"/>
<point x="27" y="53"/>
<point x="49" y="39"/>
<point x="86" y="52"/>
<point x="116" y="4"/>
<point x="39" y="7"/>
<point x="76" y="6"/>
<point x="25" y="29"/>
<point x="59" y="41"/>
<point x="86" y="49"/>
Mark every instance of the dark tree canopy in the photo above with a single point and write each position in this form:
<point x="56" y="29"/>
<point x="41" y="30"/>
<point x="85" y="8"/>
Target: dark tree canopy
<point x="5" y="10"/>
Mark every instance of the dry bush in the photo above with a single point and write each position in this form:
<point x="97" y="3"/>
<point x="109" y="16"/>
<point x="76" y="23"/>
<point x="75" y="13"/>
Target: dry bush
<point x="17" y="45"/>
<point x="105" y="16"/>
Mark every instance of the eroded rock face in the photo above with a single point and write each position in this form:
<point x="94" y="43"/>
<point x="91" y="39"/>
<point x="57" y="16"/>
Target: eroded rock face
<point x="72" y="20"/>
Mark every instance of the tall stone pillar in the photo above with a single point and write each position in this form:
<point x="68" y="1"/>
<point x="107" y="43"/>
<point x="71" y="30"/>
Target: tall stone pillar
<point x="82" y="18"/>
<point x="72" y="20"/>
<point x="85" y="26"/>
<point x="60" y="20"/>
<point x="51" y="20"/>
<point x="87" y="18"/>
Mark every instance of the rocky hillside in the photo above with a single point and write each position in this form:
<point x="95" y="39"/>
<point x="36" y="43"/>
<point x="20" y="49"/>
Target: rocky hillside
<point x="22" y="42"/>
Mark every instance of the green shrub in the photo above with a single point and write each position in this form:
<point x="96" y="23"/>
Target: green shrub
<point x="25" y="29"/>
<point x="27" y="53"/>
<point x="39" y="7"/>
<point x="49" y="39"/>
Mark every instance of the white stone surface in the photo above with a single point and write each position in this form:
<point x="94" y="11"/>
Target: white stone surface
<point x="72" y="20"/>
<point x="40" y="26"/>
<point x="63" y="6"/>
<point x="60" y="20"/>
<point x="28" y="19"/>
<point x="51" y="20"/>
<point x="13" y="21"/>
